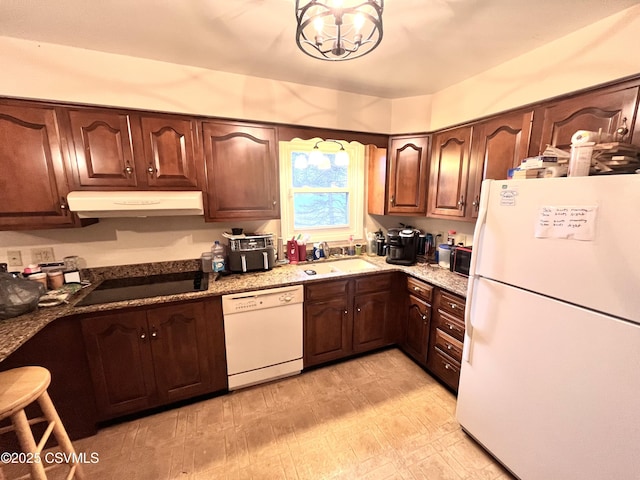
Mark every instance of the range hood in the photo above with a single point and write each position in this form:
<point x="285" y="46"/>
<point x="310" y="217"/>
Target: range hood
<point x="135" y="204"/>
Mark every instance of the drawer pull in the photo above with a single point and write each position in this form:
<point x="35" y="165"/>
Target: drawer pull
<point x="416" y="289"/>
<point x="453" y="305"/>
<point x="452" y="327"/>
<point x="449" y="346"/>
<point x="448" y="366"/>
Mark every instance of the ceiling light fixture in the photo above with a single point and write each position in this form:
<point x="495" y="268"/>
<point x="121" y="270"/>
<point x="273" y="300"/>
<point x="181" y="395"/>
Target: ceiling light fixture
<point x="337" y="30"/>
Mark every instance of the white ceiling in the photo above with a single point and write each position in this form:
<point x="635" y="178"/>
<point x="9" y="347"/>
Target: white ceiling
<point x="427" y="44"/>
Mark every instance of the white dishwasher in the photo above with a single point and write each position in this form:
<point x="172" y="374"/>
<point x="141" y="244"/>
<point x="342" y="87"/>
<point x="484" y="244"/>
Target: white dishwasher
<point x="263" y="335"/>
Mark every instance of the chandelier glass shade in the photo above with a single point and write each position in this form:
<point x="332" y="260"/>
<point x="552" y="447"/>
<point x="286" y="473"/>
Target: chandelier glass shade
<point x="337" y="30"/>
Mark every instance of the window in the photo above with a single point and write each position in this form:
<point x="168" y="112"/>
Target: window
<point x="322" y="190"/>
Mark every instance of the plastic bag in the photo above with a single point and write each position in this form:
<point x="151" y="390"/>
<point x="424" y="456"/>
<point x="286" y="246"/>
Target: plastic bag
<point x="18" y="295"/>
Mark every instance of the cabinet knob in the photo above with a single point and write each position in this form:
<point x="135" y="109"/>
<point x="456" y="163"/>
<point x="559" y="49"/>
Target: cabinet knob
<point x="452" y="305"/>
<point x="275" y="202"/>
<point x="63" y="206"/>
<point x="128" y="170"/>
<point x="358" y="309"/>
<point x="393" y="200"/>
<point x="345" y="312"/>
<point x="154" y="334"/>
<point x="461" y="202"/>
<point x="151" y="170"/>
<point x="416" y="289"/>
<point x="476" y="203"/>
<point x="449" y="346"/>
<point x="143" y="335"/>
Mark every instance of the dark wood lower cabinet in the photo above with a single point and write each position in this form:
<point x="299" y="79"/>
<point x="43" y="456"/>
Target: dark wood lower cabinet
<point x="343" y="317"/>
<point x="416" y="339"/>
<point x="150" y="357"/>
<point x="446" y="338"/>
<point x="370" y="321"/>
<point x="327" y="331"/>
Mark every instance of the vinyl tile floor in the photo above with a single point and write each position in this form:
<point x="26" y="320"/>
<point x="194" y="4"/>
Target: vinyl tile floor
<point x="375" y="417"/>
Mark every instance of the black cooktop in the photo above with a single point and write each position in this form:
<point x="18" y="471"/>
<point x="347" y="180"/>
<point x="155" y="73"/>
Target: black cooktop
<point x="134" y="288"/>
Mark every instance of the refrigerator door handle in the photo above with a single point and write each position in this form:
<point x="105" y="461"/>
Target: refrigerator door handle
<point x="477" y="236"/>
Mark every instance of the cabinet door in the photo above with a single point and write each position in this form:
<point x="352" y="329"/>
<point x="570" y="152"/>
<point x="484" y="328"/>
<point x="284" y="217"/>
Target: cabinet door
<point x="408" y="175"/>
<point x="103" y="148"/>
<point x="498" y="145"/>
<point x="449" y="173"/>
<point x="119" y="354"/>
<point x="168" y="152"/>
<point x="416" y="339"/>
<point x="370" y="321"/>
<point x="241" y="171"/>
<point x="32" y="178"/>
<point x="606" y="109"/>
<point x="180" y="351"/>
<point x="327" y="331"/>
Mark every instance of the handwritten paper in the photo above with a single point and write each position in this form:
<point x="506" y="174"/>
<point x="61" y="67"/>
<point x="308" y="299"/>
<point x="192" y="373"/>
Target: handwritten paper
<point x="568" y="222"/>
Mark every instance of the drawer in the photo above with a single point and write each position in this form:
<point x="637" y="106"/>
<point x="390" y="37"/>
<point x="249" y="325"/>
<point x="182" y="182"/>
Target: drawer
<point x="452" y="325"/>
<point x="326" y="290"/>
<point x="445" y="368"/>
<point x="452" y="303"/>
<point x="373" y="283"/>
<point x="448" y="344"/>
<point x="419" y="288"/>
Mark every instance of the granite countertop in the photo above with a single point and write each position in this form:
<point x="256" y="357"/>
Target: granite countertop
<point x="14" y="332"/>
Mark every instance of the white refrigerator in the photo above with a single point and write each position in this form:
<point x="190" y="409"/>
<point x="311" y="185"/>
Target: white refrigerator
<point x="550" y="377"/>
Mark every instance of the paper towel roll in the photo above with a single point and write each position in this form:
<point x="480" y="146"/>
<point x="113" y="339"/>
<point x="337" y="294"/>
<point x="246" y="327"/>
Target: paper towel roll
<point x="585" y="136"/>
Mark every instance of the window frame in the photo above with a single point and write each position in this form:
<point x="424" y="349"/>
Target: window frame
<point x="355" y="189"/>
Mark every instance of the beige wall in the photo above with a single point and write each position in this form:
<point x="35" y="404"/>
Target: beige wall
<point x="54" y="72"/>
<point x="598" y="53"/>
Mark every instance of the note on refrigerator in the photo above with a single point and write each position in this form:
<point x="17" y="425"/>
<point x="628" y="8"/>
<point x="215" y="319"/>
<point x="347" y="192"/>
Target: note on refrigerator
<point x="575" y="222"/>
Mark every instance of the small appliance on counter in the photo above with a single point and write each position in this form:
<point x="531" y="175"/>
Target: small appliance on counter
<point x="250" y="252"/>
<point x="402" y="246"/>
<point x="460" y="260"/>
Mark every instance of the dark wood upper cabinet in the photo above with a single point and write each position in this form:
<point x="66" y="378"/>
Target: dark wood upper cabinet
<point x="241" y="164"/>
<point x="497" y="145"/>
<point x="408" y="170"/>
<point x="449" y="173"/>
<point x="169" y="151"/>
<point x="101" y="142"/>
<point x="604" y="109"/>
<point x="129" y="151"/>
<point x="33" y="178"/>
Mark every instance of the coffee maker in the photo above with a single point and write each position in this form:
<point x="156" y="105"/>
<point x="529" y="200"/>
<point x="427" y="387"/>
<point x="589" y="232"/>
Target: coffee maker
<point x="402" y="246"/>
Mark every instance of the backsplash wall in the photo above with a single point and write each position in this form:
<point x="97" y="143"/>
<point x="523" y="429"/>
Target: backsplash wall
<point x="121" y="241"/>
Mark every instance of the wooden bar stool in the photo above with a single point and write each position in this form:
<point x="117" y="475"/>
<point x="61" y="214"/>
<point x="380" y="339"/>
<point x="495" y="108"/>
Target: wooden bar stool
<point x="20" y="387"/>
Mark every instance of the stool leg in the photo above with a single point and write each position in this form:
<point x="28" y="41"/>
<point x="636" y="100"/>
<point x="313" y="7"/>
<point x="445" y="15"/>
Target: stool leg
<point x="27" y="443"/>
<point x="59" y="432"/>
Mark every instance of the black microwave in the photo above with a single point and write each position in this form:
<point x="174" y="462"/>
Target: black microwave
<point x="461" y="260"/>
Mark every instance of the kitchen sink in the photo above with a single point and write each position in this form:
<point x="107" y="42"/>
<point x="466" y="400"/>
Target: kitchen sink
<point x="352" y="265"/>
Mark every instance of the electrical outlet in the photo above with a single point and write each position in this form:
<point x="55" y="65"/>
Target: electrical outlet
<point x="42" y="255"/>
<point x="14" y="258"/>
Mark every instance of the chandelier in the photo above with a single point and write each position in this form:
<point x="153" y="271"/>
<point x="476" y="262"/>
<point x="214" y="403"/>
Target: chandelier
<point x="338" y="29"/>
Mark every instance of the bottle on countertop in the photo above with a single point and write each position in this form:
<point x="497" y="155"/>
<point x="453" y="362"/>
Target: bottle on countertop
<point x="219" y="257"/>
